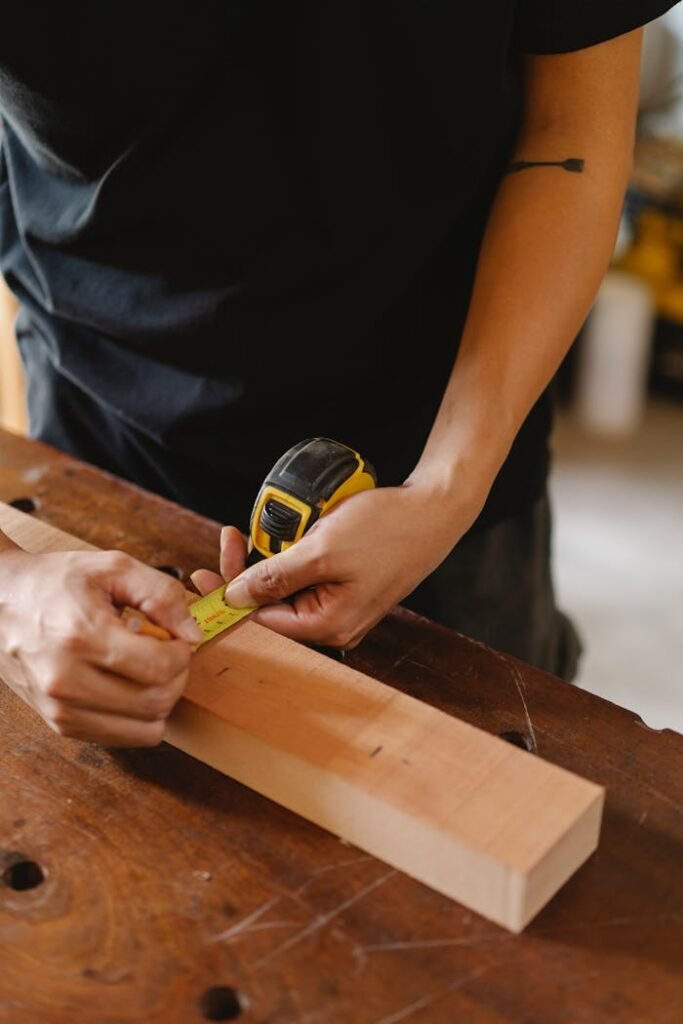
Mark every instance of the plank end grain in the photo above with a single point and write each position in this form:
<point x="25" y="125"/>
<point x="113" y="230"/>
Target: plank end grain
<point x="489" y="825"/>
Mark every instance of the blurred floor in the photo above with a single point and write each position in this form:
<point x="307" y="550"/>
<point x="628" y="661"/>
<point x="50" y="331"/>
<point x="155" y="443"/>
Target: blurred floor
<point x="619" y="560"/>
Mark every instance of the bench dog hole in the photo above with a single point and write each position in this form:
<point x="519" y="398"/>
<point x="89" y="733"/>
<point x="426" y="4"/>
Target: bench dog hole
<point x="517" y="739"/>
<point x="221" y="1002"/>
<point x="172" y="570"/>
<point x="25" y="504"/>
<point x="23" y="875"/>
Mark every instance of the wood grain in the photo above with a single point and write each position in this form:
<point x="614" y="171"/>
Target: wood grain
<point x="367" y="763"/>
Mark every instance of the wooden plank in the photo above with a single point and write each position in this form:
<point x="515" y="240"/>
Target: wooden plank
<point x="462" y="811"/>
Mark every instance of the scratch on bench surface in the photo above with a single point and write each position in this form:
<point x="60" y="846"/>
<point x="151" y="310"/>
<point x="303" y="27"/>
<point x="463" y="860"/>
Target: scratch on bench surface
<point x="265" y="926"/>
<point x="408" y="654"/>
<point x="495" y="940"/>
<point x="321" y="920"/>
<point x="407" y="1011"/>
<point x="246" y="923"/>
<point x="250" y="923"/>
<point x="420" y="1004"/>
<point x="465" y="943"/>
<point x="509" y="663"/>
<point x="673" y="804"/>
<point x="330" y="867"/>
<point x="519" y="683"/>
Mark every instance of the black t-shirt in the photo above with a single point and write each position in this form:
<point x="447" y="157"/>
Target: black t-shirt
<point x="238" y="224"/>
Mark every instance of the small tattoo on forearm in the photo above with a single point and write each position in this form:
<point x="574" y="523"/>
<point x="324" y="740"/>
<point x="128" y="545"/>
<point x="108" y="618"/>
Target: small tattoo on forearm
<point x="574" y="165"/>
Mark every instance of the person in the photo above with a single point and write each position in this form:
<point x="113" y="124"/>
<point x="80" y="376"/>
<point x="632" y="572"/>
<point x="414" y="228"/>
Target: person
<point x="379" y="222"/>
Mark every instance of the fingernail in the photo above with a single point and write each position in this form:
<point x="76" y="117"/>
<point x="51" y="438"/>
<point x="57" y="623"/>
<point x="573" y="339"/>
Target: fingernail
<point x="190" y="631"/>
<point x="237" y="593"/>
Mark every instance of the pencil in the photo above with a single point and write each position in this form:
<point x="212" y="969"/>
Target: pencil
<point x="138" y="622"/>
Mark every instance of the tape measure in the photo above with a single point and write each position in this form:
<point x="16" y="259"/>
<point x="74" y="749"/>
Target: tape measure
<point x="210" y="612"/>
<point x="213" y="615"/>
<point x="305" y="483"/>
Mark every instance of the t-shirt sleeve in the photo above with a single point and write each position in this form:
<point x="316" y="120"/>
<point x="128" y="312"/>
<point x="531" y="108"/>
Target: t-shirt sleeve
<point x="559" y="26"/>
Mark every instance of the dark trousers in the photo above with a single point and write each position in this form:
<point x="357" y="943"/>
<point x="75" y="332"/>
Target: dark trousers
<point x="496" y="586"/>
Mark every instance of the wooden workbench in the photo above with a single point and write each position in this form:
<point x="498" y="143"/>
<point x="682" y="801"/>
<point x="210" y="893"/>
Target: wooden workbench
<point x="143" y="886"/>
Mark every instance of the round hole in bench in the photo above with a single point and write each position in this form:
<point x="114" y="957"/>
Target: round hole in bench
<point x="172" y="570"/>
<point x="25" y="504"/>
<point x="517" y="739"/>
<point x="220" y="1002"/>
<point x="23" y="875"/>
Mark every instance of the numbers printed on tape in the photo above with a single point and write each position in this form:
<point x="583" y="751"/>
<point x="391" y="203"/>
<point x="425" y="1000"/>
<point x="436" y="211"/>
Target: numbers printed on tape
<point x="213" y="615"/>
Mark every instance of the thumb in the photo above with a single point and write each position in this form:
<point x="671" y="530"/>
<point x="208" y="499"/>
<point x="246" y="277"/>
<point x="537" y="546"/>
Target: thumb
<point x="277" y="577"/>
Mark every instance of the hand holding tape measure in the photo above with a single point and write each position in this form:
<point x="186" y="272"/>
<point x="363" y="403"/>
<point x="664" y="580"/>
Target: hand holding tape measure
<point x="307" y="482"/>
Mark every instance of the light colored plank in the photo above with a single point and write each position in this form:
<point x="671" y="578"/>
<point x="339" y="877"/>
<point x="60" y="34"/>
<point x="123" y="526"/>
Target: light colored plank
<point x="473" y="817"/>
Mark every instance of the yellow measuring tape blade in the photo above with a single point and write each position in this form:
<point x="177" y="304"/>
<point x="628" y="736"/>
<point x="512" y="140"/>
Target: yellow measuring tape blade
<point x="214" y="616"/>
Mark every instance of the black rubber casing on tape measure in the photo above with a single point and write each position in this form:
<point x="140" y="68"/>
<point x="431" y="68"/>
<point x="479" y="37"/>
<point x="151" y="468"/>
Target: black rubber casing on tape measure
<point x="304" y="483"/>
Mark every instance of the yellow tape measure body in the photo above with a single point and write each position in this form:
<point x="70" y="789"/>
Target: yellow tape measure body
<point x="213" y="615"/>
<point x="304" y="484"/>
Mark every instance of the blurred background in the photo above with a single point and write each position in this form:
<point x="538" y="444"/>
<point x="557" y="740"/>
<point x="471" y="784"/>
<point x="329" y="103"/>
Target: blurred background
<point x="618" y="479"/>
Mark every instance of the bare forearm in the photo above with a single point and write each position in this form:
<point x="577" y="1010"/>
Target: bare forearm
<point x="547" y="246"/>
<point x="546" y="249"/>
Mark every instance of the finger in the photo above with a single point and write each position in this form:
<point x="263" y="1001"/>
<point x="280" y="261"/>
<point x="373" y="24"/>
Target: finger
<point x="278" y="577"/>
<point x="317" y="616"/>
<point x="205" y="581"/>
<point x="140" y="659"/>
<point x="233" y="552"/>
<point x="161" y="598"/>
<point x="109" y="730"/>
<point x="91" y="689"/>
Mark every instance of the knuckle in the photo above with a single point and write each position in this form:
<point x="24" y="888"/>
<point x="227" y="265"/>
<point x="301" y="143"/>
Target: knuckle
<point x="74" y="640"/>
<point x="273" y="579"/>
<point x="171" y="663"/>
<point x="159" y="703"/>
<point x="108" y="657"/>
<point x="153" y="672"/>
<point x="319" y="560"/>
<point x="167" y="591"/>
<point x="117" y="561"/>
<point x="75" y="576"/>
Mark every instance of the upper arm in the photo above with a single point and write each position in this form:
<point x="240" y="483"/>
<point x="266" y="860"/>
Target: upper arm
<point x="592" y="92"/>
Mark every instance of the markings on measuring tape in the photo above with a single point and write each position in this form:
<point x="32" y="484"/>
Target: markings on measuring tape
<point x="214" y="616"/>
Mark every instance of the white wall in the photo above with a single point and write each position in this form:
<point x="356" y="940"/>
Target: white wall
<point x="662" y="78"/>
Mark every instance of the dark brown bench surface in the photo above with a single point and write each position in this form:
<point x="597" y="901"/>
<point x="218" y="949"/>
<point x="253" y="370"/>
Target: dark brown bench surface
<point x="140" y="885"/>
